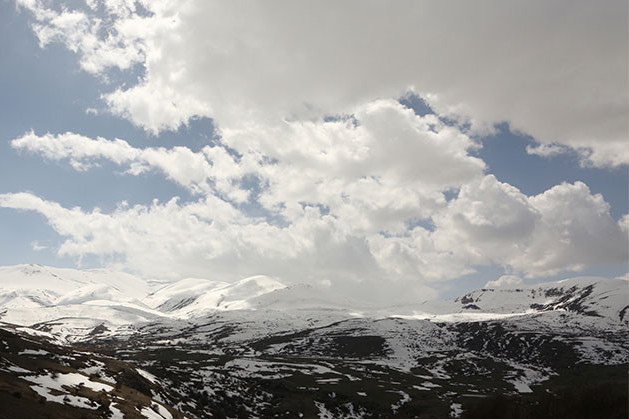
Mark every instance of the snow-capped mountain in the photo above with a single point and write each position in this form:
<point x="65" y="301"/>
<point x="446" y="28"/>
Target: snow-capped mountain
<point x="194" y="298"/>
<point x="259" y="347"/>
<point x="72" y="302"/>
<point x="62" y="280"/>
<point x="601" y="297"/>
<point x="43" y="289"/>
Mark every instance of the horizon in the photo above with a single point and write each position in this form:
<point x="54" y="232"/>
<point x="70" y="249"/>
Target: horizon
<point x="504" y="283"/>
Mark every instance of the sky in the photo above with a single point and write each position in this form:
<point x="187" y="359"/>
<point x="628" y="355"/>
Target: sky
<point x="384" y="150"/>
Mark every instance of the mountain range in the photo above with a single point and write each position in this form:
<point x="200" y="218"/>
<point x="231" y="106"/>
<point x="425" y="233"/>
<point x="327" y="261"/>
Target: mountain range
<point x="98" y="343"/>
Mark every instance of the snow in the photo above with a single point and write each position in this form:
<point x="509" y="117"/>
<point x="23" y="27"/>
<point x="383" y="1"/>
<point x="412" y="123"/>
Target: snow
<point x="606" y="296"/>
<point x="522" y="387"/>
<point x="98" y="369"/>
<point x="246" y="367"/>
<point x="33" y="352"/>
<point x="352" y="413"/>
<point x="61" y="280"/>
<point x="164" y="412"/>
<point x="194" y="298"/>
<point x="405" y="399"/>
<point x="149" y="413"/>
<point x="92" y="292"/>
<point x="17" y="369"/>
<point x="80" y="319"/>
<point x="215" y="318"/>
<point x="71" y="379"/>
<point x="161" y="413"/>
<point x="73" y="305"/>
<point x="456" y="409"/>
<point x="189" y="289"/>
<point x="115" y="412"/>
<point x="459" y="317"/>
<point x="525" y="376"/>
<point x="147" y="375"/>
<point x="323" y="412"/>
<point x="63" y="398"/>
<point x="26" y="287"/>
<point x="328" y="380"/>
<point x="46" y="383"/>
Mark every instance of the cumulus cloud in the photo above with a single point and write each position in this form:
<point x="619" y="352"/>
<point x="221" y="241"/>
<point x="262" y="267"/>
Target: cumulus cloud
<point x="338" y="202"/>
<point x="381" y="168"/>
<point x="554" y="70"/>
<point x="100" y="42"/>
<point x="210" y="238"/>
<point x="564" y="228"/>
<point x="317" y="173"/>
<point x="212" y="169"/>
<point x="575" y="231"/>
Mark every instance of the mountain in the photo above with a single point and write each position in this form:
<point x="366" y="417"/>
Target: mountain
<point x="62" y="280"/>
<point x="72" y="303"/>
<point x="605" y="298"/>
<point x="194" y="297"/>
<point x="261" y="348"/>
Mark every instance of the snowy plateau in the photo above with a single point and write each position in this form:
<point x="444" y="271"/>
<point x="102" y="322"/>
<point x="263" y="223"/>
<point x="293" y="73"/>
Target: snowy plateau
<point x="104" y="344"/>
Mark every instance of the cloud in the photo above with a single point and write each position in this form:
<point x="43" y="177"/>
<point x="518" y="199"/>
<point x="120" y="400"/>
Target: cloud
<point x="575" y="231"/>
<point x="554" y="70"/>
<point x="317" y="172"/>
<point x="328" y="199"/>
<point x="505" y="281"/>
<point x="563" y="228"/>
<point x="210" y="238"/>
<point x="156" y="106"/>
<point x="80" y="151"/>
<point x="546" y="150"/>
<point x="212" y="169"/>
<point x="100" y="43"/>
<point x="381" y="168"/>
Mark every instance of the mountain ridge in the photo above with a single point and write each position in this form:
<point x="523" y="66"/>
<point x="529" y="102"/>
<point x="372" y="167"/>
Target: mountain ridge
<point x="261" y="348"/>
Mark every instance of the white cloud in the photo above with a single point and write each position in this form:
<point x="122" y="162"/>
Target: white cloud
<point x="80" y="151"/>
<point x="212" y="169"/>
<point x="209" y="238"/>
<point x="546" y="150"/>
<point x="358" y="197"/>
<point x="555" y="70"/>
<point x="100" y="42"/>
<point x="575" y="231"/>
<point x="334" y="193"/>
<point x="375" y="172"/>
<point x="563" y="228"/>
<point x="155" y="106"/>
<point x="488" y="222"/>
<point x="505" y="281"/>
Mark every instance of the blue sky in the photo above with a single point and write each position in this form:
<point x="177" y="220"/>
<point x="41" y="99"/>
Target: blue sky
<point x="50" y="89"/>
